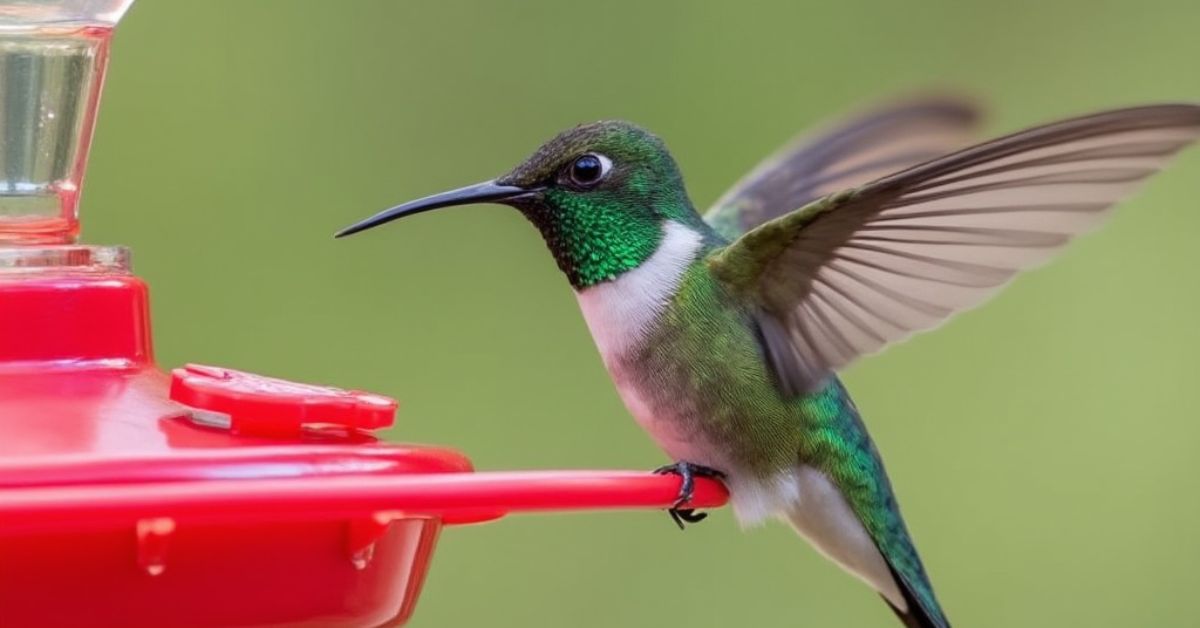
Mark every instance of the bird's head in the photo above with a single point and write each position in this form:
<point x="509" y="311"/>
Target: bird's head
<point x="599" y="193"/>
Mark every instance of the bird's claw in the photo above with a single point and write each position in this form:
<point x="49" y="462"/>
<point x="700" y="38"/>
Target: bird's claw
<point x="683" y="516"/>
<point x="688" y="472"/>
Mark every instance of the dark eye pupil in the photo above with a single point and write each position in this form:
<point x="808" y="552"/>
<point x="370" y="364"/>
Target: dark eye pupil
<point x="587" y="169"/>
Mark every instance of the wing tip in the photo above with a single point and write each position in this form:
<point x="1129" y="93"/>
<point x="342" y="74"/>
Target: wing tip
<point x="1161" y="114"/>
<point x="959" y="105"/>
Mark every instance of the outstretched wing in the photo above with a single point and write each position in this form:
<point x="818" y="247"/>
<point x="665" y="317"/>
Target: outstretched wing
<point x="844" y="155"/>
<point x="857" y="270"/>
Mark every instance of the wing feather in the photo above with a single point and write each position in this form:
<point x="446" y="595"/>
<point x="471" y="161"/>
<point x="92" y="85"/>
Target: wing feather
<point x="858" y="270"/>
<point x="857" y="150"/>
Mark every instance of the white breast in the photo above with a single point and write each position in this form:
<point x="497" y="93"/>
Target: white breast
<point x="619" y="312"/>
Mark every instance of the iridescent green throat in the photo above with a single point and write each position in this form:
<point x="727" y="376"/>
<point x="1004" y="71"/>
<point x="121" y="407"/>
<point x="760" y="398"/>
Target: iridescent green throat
<point x="594" y="238"/>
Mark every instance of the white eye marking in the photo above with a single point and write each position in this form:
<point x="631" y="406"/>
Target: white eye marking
<point x="605" y="164"/>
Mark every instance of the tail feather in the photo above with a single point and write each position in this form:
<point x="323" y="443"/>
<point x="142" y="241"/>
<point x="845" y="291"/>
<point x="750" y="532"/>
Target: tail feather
<point x="848" y="511"/>
<point x="824" y="517"/>
<point x="910" y="620"/>
<point x="917" y="616"/>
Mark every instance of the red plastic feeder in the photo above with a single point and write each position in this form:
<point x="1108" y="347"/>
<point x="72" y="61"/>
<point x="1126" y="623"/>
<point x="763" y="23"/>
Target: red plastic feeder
<point x="207" y="497"/>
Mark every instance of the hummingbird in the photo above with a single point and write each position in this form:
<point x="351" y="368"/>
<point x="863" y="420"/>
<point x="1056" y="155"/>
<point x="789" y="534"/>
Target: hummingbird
<point x="724" y="332"/>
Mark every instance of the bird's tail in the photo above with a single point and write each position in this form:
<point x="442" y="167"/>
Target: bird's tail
<point x="881" y="554"/>
<point x="918" y="618"/>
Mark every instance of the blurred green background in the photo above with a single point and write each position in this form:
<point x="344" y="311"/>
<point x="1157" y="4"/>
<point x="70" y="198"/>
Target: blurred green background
<point x="1042" y="447"/>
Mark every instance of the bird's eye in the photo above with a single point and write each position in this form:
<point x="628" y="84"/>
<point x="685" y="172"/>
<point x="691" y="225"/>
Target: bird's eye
<point x="587" y="170"/>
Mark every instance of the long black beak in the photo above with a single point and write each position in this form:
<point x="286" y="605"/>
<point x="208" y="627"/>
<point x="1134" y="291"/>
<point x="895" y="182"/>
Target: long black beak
<point x="486" y="192"/>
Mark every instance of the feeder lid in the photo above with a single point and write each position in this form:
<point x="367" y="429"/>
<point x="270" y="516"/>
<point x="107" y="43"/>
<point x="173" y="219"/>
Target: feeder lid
<point x="247" y="403"/>
<point x="63" y="12"/>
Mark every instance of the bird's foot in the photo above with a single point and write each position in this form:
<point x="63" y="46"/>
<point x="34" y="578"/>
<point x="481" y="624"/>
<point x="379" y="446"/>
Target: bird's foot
<point x="689" y="472"/>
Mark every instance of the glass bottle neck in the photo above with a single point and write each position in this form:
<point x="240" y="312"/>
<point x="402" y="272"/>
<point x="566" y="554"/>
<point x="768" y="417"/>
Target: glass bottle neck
<point x="64" y="258"/>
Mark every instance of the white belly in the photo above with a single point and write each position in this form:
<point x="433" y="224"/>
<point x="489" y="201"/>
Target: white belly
<point x="660" y="422"/>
